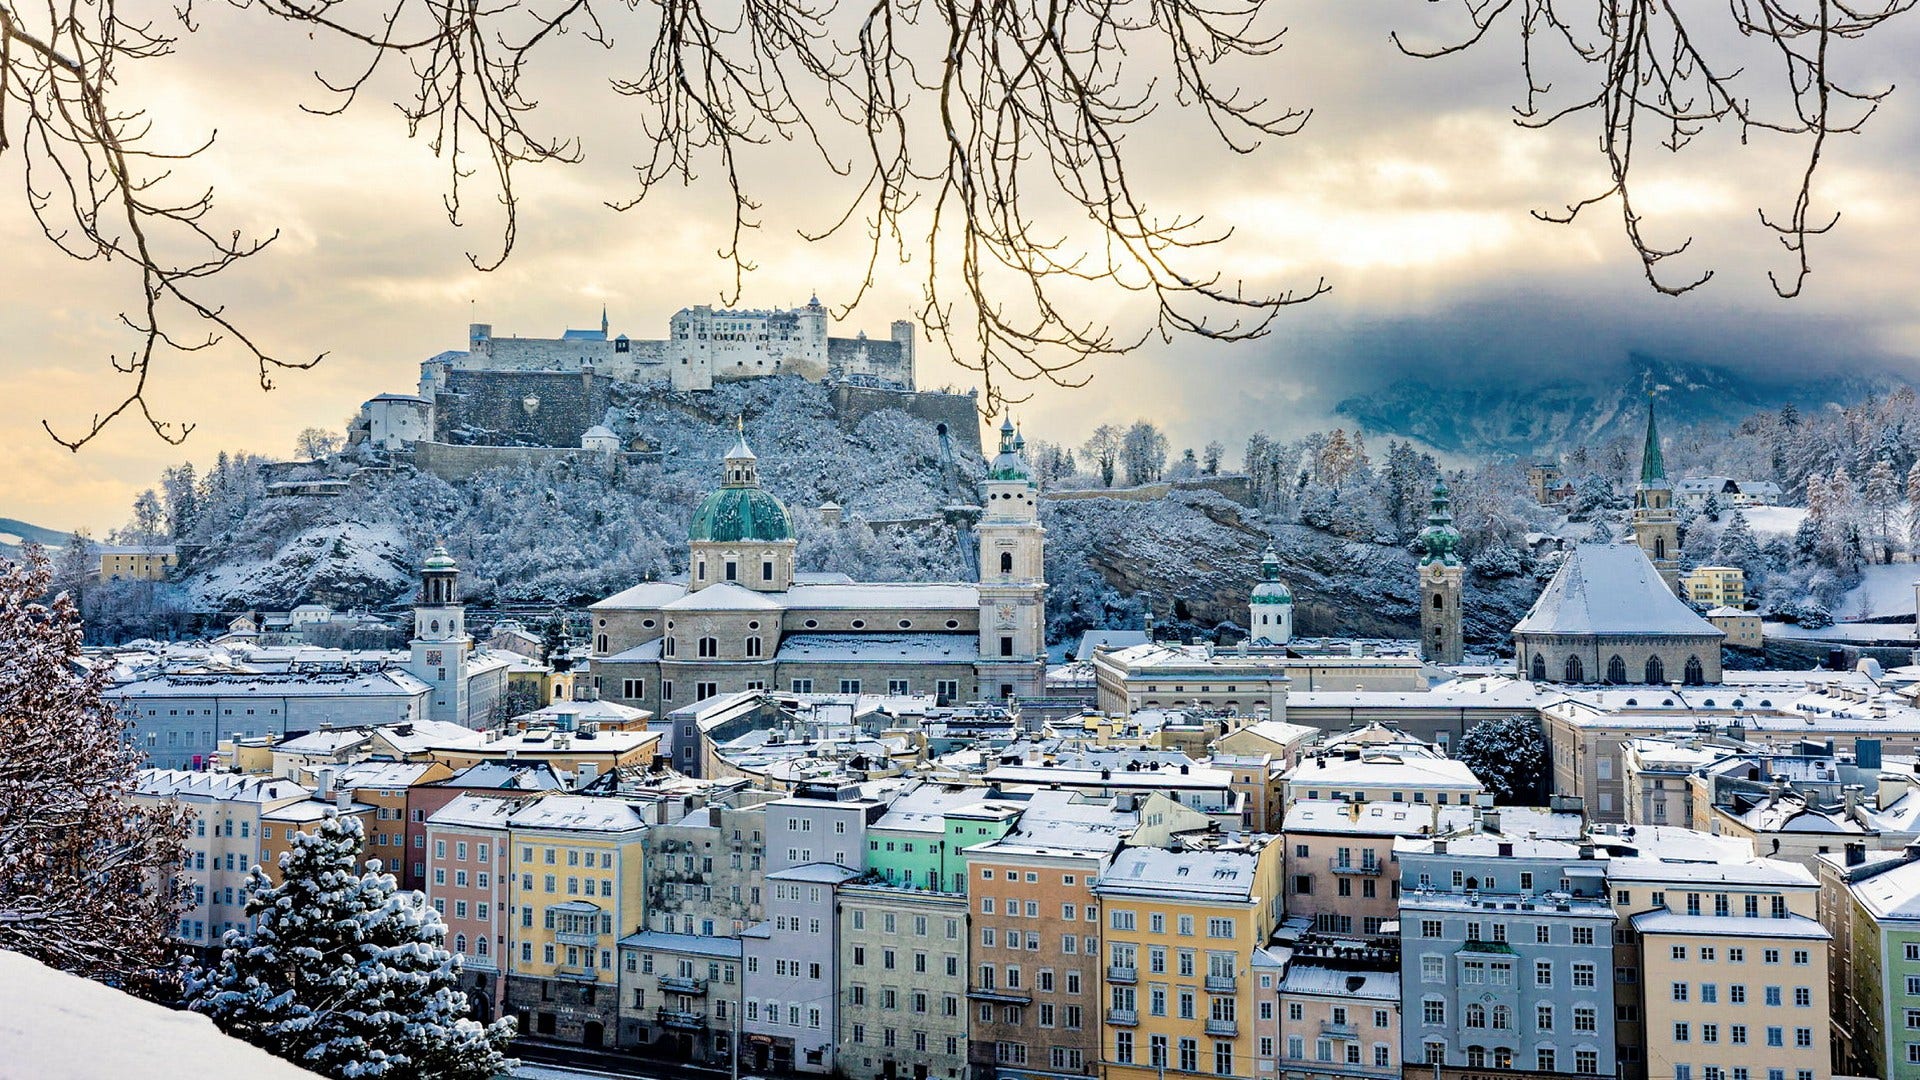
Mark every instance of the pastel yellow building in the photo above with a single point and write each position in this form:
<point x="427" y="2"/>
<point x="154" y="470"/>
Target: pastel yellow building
<point x="578" y="886"/>
<point x="137" y="562"/>
<point x="1724" y="974"/>
<point x="1181" y="927"/>
<point x="1716" y="586"/>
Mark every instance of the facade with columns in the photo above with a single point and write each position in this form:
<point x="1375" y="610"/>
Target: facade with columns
<point x="745" y="617"/>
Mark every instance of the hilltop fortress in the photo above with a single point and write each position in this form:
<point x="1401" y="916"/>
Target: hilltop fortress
<point x="527" y="398"/>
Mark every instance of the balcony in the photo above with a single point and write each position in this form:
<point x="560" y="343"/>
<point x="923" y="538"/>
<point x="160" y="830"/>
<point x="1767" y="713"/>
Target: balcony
<point x="1221" y="984"/>
<point x="1123" y="1017"/>
<point x="1366" y="867"/>
<point x="1331" y="1030"/>
<point x="682" y="984"/>
<point x="680" y="1020"/>
<point x="577" y="937"/>
<point x="1004" y="997"/>
<point x="1123" y="973"/>
<point x="576" y="972"/>
<point x="1225" y="1028"/>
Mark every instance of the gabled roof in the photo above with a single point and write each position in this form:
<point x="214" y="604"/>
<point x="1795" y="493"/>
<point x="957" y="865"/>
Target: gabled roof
<point x="725" y="596"/>
<point x="1611" y="589"/>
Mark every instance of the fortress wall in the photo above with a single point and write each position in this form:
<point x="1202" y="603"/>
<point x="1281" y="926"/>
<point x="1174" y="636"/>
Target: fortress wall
<point x="496" y="401"/>
<point x="1237" y="488"/>
<point x="959" y="412"/>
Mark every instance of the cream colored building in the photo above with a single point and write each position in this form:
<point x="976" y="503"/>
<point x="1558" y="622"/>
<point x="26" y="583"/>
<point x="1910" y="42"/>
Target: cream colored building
<point x="1715" y="586"/>
<point x="1241" y="680"/>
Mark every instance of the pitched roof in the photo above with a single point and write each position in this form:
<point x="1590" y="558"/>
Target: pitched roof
<point x="1611" y="589"/>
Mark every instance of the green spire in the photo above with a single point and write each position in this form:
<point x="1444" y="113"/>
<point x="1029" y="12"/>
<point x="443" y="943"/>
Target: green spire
<point x="1653" y="467"/>
<point x="1440" y="537"/>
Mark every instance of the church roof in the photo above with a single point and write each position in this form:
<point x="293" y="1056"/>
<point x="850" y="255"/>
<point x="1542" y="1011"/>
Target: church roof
<point x="1611" y="589"/>
<point x="724" y="596"/>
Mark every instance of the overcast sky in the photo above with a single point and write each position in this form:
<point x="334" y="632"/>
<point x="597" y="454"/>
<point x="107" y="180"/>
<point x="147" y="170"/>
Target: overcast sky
<point x="1409" y="190"/>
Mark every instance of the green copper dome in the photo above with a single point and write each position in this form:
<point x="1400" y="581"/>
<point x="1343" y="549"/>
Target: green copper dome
<point x="1439" y="540"/>
<point x="1270" y="589"/>
<point x="440" y="559"/>
<point x="1009" y="464"/>
<point x="741" y="509"/>
<point x="741" y="513"/>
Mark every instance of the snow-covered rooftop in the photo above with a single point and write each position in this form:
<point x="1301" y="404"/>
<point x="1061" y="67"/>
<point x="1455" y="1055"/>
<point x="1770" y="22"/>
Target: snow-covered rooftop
<point x="579" y="813"/>
<point x="1891" y="894"/>
<point x="1671" y="922"/>
<point x="1225" y="874"/>
<point x="903" y="648"/>
<point x="1375" y="818"/>
<point x="1611" y="589"/>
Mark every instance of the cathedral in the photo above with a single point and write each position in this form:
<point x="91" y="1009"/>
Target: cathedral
<point x="745" y="617"/>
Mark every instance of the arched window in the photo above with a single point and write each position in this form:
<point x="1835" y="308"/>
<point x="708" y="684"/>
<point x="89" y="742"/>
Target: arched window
<point x="1575" y="672"/>
<point x="460" y="944"/>
<point x="1616" y="671"/>
<point x="709" y="647"/>
<point x="1006" y="562"/>
<point x="1696" y="674"/>
<point x="1503" y="1057"/>
<point x="1502" y="1018"/>
<point x="1659" y="547"/>
<point x="753" y="645"/>
<point x="480" y="945"/>
<point x="1539" y="672"/>
<point x="1476" y="1016"/>
<point x="1439" y="601"/>
<point x="1476" y="1057"/>
<point x="601" y="643"/>
<point x="1656" y="671"/>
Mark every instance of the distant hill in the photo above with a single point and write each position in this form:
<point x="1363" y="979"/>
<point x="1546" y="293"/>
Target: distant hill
<point x="14" y="533"/>
<point x="1543" y="418"/>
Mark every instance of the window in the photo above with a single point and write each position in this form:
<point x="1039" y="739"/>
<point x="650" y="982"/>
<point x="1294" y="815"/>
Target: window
<point x="1432" y="1011"/>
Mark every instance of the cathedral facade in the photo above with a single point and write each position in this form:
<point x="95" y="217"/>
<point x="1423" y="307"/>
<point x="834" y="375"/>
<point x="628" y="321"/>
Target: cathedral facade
<point x="745" y="617"/>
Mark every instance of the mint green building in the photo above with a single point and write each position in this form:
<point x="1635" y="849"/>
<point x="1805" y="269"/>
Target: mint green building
<point x="918" y="842"/>
<point x="1872" y="904"/>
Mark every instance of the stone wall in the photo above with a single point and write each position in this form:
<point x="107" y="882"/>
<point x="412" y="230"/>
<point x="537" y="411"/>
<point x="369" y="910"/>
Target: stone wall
<point x="525" y="408"/>
<point x="959" y="413"/>
<point x="453" y="463"/>
<point x="1237" y="488"/>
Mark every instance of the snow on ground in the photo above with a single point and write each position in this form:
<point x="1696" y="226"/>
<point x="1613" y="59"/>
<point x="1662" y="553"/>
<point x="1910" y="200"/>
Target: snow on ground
<point x="55" y="1026"/>
<point x="1884" y="591"/>
<point x="1848" y="631"/>
<point x="1771" y="520"/>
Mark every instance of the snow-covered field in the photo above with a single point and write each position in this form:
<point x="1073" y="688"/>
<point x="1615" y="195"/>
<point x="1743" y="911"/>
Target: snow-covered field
<point x="1849" y="631"/>
<point x="1886" y="590"/>
<point x="1770" y="520"/>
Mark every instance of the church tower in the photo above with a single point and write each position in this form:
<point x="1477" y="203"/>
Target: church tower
<point x="1654" y="527"/>
<point x="1441" y="637"/>
<point x="1013" y="614"/>
<point x="438" y="651"/>
<point x="1270" y="608"/>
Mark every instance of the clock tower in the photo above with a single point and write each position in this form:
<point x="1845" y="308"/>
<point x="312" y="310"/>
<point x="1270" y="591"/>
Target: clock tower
<point x="438" y="651"/>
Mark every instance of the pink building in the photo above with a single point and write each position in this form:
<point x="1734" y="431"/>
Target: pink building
<point x="468" y="877"/>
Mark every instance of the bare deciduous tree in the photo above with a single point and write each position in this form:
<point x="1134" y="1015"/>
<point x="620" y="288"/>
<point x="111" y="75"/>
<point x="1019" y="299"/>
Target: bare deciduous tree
<point x="984" y="142"/>
<point x="1651" y="71"/>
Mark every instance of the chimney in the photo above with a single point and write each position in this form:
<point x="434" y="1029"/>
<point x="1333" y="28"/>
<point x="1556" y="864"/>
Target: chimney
<point x="1856" y="854"/>
<point x="323" y="780"/>
<point x="1586" y="851"/>
<point x="343" y="800"/>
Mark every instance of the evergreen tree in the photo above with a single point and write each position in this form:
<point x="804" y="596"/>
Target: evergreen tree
<point x="1509" y="756"/>
<point x="1210" y="458"/>
<point x="1738" y="546"/>
<point x="1877" y="509"/>
<point x="341" y="974"/>
<point x="1913" y="508"/>
<point x="88" y="880"/>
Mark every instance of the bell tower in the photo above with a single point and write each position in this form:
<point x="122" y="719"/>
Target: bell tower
<point x="1441" y="580"/>
<point x="438" y="652"/>
<point x="1013" y="613"/>
<point x="1654" y="527"/>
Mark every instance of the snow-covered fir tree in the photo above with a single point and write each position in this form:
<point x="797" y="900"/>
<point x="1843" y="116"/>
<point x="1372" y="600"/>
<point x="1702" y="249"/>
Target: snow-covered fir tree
<point x="345" y="975"/>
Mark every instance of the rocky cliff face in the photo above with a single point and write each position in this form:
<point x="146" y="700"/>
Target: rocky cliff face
<point x="1193" y="558"/>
